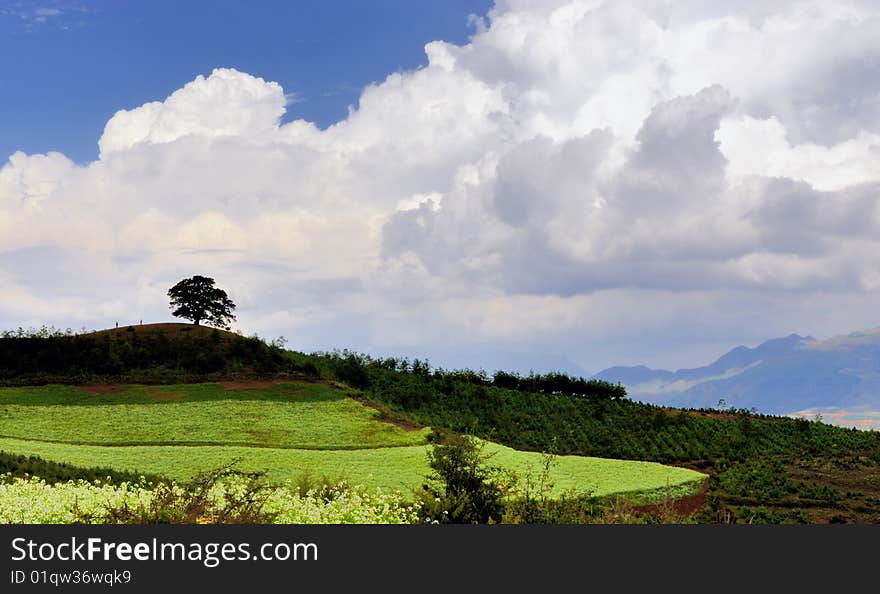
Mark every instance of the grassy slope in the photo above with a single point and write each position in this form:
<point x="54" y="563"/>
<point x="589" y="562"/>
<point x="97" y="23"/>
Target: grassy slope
<point x="305" y="416"/>
<point x="298" y="428"/>
<point x="392" y="468"/>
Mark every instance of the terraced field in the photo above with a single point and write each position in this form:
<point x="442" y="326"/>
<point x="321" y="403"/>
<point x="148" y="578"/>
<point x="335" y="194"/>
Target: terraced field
<point x="287" y="429"/>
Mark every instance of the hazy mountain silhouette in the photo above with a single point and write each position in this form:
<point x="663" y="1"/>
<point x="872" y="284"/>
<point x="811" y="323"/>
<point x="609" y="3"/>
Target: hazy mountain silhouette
<point x="782" y="375"/>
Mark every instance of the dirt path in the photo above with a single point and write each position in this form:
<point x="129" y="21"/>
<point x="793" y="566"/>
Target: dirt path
<point x="385" y="417"/>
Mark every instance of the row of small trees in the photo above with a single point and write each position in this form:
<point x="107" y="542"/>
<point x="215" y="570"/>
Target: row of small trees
<point x="362" y="371"/>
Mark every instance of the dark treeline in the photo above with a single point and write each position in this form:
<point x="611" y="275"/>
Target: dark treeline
<point x="55" y="357"/>
<point x="361" y="370"/>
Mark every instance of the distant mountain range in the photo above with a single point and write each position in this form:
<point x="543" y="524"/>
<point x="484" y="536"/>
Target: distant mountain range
<point x="780" y="376"/>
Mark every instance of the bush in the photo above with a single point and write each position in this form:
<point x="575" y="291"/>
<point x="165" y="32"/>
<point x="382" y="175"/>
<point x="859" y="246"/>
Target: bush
<point x="464" y="489"/>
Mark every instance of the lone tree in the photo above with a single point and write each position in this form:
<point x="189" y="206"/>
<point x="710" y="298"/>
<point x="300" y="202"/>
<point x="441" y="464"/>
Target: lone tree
<point x="197" y="299"/>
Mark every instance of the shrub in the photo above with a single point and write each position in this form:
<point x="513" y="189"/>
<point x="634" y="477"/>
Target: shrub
<point x="464" y="489"/>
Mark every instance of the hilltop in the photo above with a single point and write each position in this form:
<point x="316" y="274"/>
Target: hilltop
<point x="150" y="353"/>
<point x="171" y="330"/>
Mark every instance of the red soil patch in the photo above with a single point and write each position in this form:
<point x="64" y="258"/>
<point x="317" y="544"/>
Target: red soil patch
<point x="251" y="384"/>
<point x="702" y="413"/>
<point x="715" y="415"/>
<point x="101" y="388"/>
<point x="164" y="395"/>
<point x="686" y="506"/>
<point x="722" y="415"/>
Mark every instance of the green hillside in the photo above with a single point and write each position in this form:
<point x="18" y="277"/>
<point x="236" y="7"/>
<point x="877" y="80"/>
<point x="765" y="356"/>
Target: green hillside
<point x="762" y="468"/>
<point x="289" y="429"/>
<point x="171" y="400"/>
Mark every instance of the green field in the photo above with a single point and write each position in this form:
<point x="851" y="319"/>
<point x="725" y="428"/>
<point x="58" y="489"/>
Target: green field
<point x="289" y="430"/>
<point x="301" y="416"/>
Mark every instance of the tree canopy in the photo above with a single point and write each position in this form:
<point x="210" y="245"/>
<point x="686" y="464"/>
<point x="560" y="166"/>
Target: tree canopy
<point x="197" y="299"/>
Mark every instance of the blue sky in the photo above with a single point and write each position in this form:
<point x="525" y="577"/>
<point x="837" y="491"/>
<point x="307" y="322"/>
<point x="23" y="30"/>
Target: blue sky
<point x="68" y="66"/>
<point x="568" y="184"/>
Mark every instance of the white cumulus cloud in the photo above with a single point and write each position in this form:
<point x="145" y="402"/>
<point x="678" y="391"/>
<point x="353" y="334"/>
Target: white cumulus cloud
<point x="227" y="103"/>
<point x="607" y="182"/>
